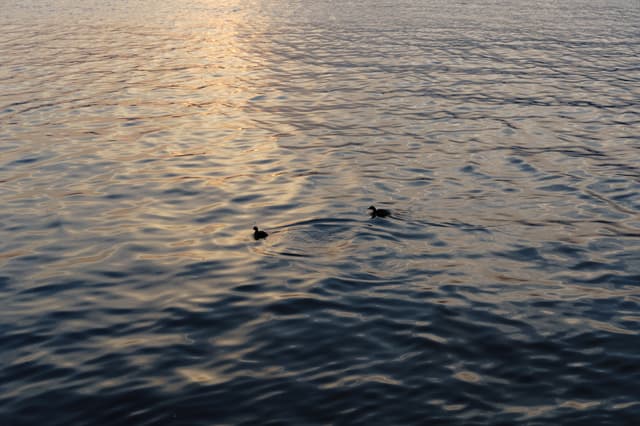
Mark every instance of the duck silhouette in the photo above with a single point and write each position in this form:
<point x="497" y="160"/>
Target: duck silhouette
<point x="257" y="234"/>
<point x="379" y="212"/>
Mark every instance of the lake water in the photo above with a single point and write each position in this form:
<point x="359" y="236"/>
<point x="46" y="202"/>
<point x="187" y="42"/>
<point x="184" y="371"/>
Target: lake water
<point x="141" y="141"/>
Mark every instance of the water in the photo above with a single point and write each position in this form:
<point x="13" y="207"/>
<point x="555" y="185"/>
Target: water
<point x="141" y="141"/>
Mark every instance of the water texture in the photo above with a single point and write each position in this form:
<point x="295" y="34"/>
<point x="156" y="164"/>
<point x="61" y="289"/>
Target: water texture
<point x="141" y="141"/>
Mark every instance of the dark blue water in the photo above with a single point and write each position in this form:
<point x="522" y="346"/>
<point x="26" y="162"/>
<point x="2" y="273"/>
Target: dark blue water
<point x="141" y="141"/>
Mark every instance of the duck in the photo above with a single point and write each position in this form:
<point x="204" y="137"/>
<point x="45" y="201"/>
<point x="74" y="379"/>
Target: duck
<point x="379" y="212"/>
<point x="257" y="234"/>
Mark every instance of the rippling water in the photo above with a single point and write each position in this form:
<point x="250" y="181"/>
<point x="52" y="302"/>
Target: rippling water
<point x="141" y="141"/>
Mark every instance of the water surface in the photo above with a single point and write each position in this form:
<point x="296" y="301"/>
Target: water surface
<point x="141" y="141"/>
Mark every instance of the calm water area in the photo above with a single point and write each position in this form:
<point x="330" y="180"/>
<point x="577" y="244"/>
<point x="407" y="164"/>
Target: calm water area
<point x="141" y="140"/>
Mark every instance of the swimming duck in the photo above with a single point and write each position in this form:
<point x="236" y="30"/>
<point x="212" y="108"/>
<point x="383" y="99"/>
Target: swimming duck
<point x="379" y="212"/>
<point x="259" y="234"/>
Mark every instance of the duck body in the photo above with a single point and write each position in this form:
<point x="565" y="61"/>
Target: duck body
<point x="379" y="212"/>
<point x="258" y="235"/>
